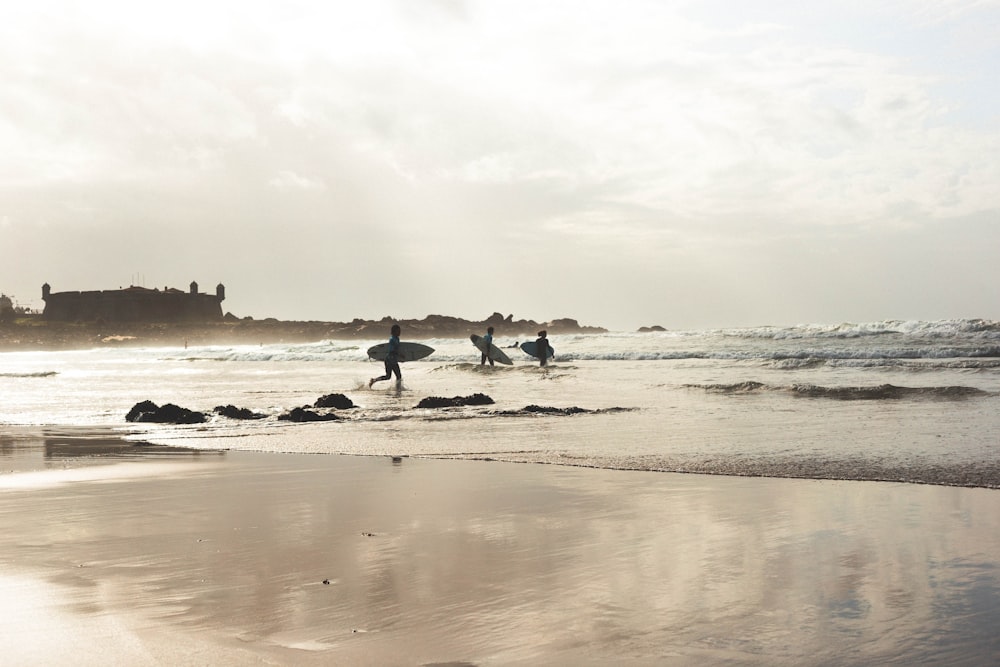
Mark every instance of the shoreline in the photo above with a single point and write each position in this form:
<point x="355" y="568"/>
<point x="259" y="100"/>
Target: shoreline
<point x="222" y="559"/>
<point x="37" y="334"/>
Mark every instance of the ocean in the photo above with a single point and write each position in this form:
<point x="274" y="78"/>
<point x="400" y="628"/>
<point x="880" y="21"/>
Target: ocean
<point x="883" y="401"/>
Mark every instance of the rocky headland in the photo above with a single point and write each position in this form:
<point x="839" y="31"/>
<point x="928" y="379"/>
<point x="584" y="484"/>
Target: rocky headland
<point x="36" y="333"/>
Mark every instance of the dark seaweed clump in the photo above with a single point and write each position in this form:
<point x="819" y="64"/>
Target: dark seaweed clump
<point x="885" y="391"/>
<point x="739" y="387"/>
<point x="564" y="412"/>
<point x="548" y="410"/>
<point x="455" y="401"/>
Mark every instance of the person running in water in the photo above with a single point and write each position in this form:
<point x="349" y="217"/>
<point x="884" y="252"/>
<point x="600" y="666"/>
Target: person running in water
<point x="489" y="341"/>
<point x="391" y="359"/>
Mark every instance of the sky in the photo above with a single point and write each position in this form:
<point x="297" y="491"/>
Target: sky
<point x="678" y="163"/>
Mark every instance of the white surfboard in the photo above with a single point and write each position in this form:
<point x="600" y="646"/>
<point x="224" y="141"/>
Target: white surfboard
<point x="492" y="351"/>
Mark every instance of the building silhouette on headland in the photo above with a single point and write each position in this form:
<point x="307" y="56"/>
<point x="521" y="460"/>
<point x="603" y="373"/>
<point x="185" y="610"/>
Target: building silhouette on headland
<point x="134" y="304"/>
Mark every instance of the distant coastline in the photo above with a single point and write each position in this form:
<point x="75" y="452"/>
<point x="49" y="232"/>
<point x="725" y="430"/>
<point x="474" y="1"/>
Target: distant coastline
<point x="35" y="333"/>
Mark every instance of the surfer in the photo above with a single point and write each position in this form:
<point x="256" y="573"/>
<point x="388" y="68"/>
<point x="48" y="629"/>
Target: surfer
<point x="542" y="348"/>
<point x="391" y="359"/>
<point x="489" y="341"/>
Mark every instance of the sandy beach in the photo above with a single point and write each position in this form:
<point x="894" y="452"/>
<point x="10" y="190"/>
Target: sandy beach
<point x="120" y="553"/>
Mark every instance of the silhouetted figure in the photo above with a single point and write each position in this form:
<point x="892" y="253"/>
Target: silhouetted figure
<point x="489" y="341"/>
<point x="542" y="348"/>
<point x="391" y="359"/>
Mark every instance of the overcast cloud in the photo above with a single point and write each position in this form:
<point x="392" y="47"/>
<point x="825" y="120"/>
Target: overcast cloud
<point x="687" y="164"/>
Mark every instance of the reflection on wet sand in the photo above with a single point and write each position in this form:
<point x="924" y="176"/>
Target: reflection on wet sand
<point x="29" y="448"/>
<point x="489" y="563"/>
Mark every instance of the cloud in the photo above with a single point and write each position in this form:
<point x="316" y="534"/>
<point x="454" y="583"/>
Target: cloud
<point x="289" y="180"/>
<point x="648" y="141"/>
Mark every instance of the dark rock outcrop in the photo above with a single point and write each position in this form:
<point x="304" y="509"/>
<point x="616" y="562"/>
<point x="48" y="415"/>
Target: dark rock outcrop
<point x="455" y="401"/>
<point x="554" y="411"/>
<point x="234" y="412"/>
<point x="306" y="415"/>
<point x="150" y="412"/>
<point x="336" y="401"/>
<point x="41" y="333"/>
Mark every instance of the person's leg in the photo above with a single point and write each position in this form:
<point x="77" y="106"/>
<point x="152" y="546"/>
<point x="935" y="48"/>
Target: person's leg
<point x="387" y="375"/>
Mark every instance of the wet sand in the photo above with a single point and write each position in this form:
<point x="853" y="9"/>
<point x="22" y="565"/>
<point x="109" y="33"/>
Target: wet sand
<point x="118" y="554"/>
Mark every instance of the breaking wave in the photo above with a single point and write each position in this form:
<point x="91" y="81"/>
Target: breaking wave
<point x="808" y="357"/>
<point x="979" y="328"/>
<point x="975" y="343"/>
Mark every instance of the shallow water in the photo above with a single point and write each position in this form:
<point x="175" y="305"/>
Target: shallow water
<point x="884" y="401"/>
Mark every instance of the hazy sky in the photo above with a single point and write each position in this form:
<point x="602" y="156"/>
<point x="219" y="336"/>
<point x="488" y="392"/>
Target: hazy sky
<point x="626" y="163"/>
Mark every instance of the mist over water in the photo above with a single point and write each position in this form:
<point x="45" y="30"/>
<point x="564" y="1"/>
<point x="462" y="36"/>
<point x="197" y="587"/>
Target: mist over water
<point x="907" y="401"/>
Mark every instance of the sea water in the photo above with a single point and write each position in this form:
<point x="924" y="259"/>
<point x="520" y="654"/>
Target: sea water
<point x="905" y="401"/>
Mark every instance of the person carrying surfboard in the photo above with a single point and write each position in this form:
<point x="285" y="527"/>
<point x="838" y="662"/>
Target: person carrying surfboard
<point x="391" y="359"/>
<point x="542" y="348"/>
<point x="489" y="341"/>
